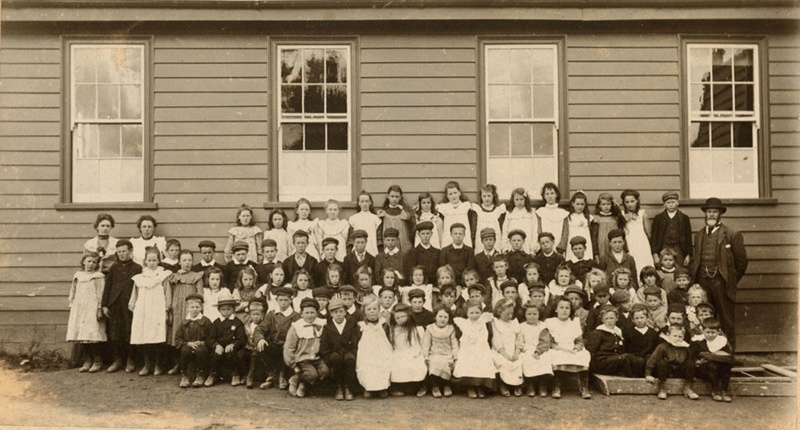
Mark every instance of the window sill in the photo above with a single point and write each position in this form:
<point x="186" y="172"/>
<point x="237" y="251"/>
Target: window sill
<point x="105" y="206"/>
<point x="314" y="205"/>
<point x="765" y="201"/>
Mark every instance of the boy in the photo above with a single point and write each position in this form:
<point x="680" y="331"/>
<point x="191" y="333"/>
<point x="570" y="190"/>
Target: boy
<point x="323" y="296"/>
<point x="330" y="246"/>
<point x="191" y="339"/>
<point x="421" y="316"/>
<point x="256" y="310"/>
<point x="230" y="273"/>
<point x="458" y="255"/>
<point x="116" y="294"/>
<point x="500" y="275"/>
<point x="300" y="259"/>
<point x="391" y="258"/>
<point x="170" y="261"/>
<point x="640" y="339"/>
<point x="387" y="300"/>
<point x="357" y="257"/>
<point x="621" y="300"/>
<point x="339" y="347"/>
<point x="714" y="360"/>
<point x="348" y="296"/>
<point x="484" y="259"/>
<point x="450" y="300"/>
<point x="671" y="229"/>
<point x="672" y="359"/>
<point x="679" y="294"/>
<point x="582" y="264"/>
<point x="602" y="295"/>
<point x="536" y="296"/>
<point x="301" y="351"/>
<point x="577" y="297"/>
<point x="517" y="258"/>
<point x="666" y="270"/>
<point x="657" y="310"/>
<point x="207" y="251"/>
<point x="424" y="254"/>
<point x="477" y="292"/>
<point x="703" y="311"/>
<point x="618" y="257"/>
<point x="547" y="258"/>
<point x="269" y="250"/>
<point x="270" y="337"/>
<point x="675" y="316"/>
<point x="228" y="341"/>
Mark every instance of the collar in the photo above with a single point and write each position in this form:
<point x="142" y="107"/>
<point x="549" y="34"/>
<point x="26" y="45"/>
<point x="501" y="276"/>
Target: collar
<point x="548" y="255"/>
<point x="672" y="214"/>
<point x="169" y="261"/>
<point x="287" y="313"/>
<point x="203" y="263"/>
<point x="490" y="253"/>
<point x="615" y="331"/>
<point x="717" y="344"/>
<point x="678" y="344"/>
<point x="618" y="255"/>
<point x="243" y="263"/>
<point x="458" y="246"/>
<point x="665" y="270"/>
<point x="601" y="213"/>
<point x="551" y="205"/>
<point x="352" y="309"/>
<point x="425" y="247"/>
<point x="230" y="318"/>
<point x="710" y="230"/>
<point x="340" y="327"/>
<point x="391" y="252"/>
<point x="197" y="318"/>
<point x="297" y="256"/>
<point x="360" y="256"/>
<point x="641" y="330"/>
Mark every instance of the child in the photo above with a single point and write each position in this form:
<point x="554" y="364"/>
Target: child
<point x="531" y="271"/>
<point x="387" y="302"/>
<point x="551" y="217"/>
<point x="458" y="254"/>
<point x="256" y="310"/>
<point x="607" y="348"/>
<point x="408" y="364"/>
<point x="666" y="269"/>
<point x="245" y="231"/>
<point x="517" y="258"/>
<point x="366" y="221"/>
<point x="622" y="280"/>
<point x="347" y="294"/>
<point x="648" y="277"/>
<point x="364" y="283"/>
<point x="426" y="212"/>
<point x="477" y="292"/>
<point x="227" y="342"/>
<point x="579" y="223"/>
<point x="536" y="367"/>
<point x="456" y="209"/>
<point x="608" y="217"/>
<point x="705" y="311"/>
<point x="276" y="280"/>
<point x="269" y="249"/>
<point x="536" y="293"/>
<point x="616" y="256"/>
<point x="301" y="285"/>
<point x="116" y="295"/>
<point x="577" y="298"/>
<point x="333" y="227"/>
<point x="301" y="351"/>
<point x="276" y="223"/>
<point x="672" y="359"/>
<point x="450" y="300"/>
<point x="191" y="340"/>
<point x="374" y="366"/>
<point x="640" y="339"/>
<point x="240" y="260"/>
<point x="602" y="295"/>
<point x="548" y="259"/>
<point x="656" y="308"/>
<point x="490" y="214"/>
<point x="86" y="324"/>
<point x="672" y="229"/>
<point x="695" y="296"/>
<point x="484" y="258"/>
<point x="302" y="223"/>
<point x="425" y="254"/>
<point x="621" y="300"/>
<point x="562" y="280"/>
<point x="211" y="291"/>
<point x="330" y="247"/>
<point x="440" y="349"/>
<point x="395" y="215"/>
<point x="392" y="257"/>
<point x="301" y="258"/>
<point x="359" y="257"/>
<point x="462" y="295"/>
<point x="510" y="291"/>
<point x="474" y="365"/>
<point x="580" y="265"/>
<point x="420" y="315"/>
<point x="594" y="279"/>
<point x="520" y="217"/>
<point x="339" y="348"/>
<point x="506" y="347"/>
<point x="675" y="316"/>
<point x="179" y="286"/>
<point x="244" y="291"/>
<point x="637" y="228"/>
<point x="500" y="270"/>
<point x="679" y="294"/>
<point x="149" y="306"/>
<point x="714" y="360"/>
<point x="207" y="250"/>
<point x="170" y="261"/>
<point x="419" y="281"/>
<point x="568" y="353"/>
<point x="323" y="297"/>
<point x="270" y="337"/>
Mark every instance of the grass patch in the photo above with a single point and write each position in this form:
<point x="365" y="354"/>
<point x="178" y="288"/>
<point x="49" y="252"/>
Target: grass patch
<point x="35" y="360"/>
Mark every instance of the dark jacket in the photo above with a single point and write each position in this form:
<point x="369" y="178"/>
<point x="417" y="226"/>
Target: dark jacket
<point x="674" y="355"/>
<point x="193" y="331"/>
<point x="119" y="283"/>
<point x="274" y="327"/>
<point x="459" y="259"/>
<point x="638" y="344"/>
<point x="427" y="258"/>
<point x="331" y="342"/>
<point x="230" y="273"/>
<point x="659" y="230"/>
<point x="228" y="331"/>
<point x="731" y="257"/>
<point x="602" y="344"/>
<point x="290" y="266"/>
<point x="351" y="266"/>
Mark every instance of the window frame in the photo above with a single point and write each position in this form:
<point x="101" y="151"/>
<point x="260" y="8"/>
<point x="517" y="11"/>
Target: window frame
<point x="761" y="111"/>
<point x="66" y="178"/>
<point x="560" y="93"/>
<point x="274" y="141"/>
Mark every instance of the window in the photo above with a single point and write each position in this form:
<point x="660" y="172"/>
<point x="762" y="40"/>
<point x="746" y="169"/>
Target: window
<point x="106" y="122"/>
<point x="521" y="115"/>
<point x="314" y="153"/>
<point x="723" y="120"/>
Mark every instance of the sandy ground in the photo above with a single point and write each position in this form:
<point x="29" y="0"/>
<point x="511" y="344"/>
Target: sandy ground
<point x="69" y="398"/>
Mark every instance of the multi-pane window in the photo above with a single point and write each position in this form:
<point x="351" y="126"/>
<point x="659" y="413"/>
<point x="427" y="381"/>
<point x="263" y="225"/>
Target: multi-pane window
<point x="314" y="122"/>
<point x="107" y="122"/>
<point x="521" y="114"/>
<point x="723" y="116"/>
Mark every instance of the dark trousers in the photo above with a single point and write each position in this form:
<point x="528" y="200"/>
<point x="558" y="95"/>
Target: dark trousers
<point x="194" y="362"/>
<point x="119" y="323"/>
<point x="234" y="360"/>
<point x="719" y="374"/>
<point x="627" y="365"/>
<point x="272" y="357"/>
<point x="665" y="369"/>
<point x="311" y="371"/>
<point x="342" y="368"/>
<point x="716" y="288"/>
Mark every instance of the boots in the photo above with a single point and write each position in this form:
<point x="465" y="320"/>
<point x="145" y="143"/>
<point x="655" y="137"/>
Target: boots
<point x="348" y="395"/>
<point x="662" y="391"/>
<point x="583" y="378"/>
<point x="158" y="369"/>
<point x="689" y="392"/>
<point x="130" y="365"/>
<point x="87" y="361"/>
<point x="116" y="365"/>
<point x="339" y="395"/>
<point x="556" y="394"/>
<point x="251" y="372"/>
<point x="282" y="382"/>
<point x="212" y="378"/>
<point x="97" y="364"/>
<point x="148" y="365"/>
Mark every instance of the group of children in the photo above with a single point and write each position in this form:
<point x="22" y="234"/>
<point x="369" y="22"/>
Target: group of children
<point x="358" y="304"/>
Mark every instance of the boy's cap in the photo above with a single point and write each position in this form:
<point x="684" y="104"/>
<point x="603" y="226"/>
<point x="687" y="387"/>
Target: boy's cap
<point x="457" y="225"/>
<point x="536" y="285"/>
<point x="269" y="242"/>
<point x="424" y="225"/>
<point x="652" y="291"/>
<point x="225" y="298"/>
<point x="669" y="195"/>
<point x="508" y="284"/>
<point x="680" y="271"/>
<point x="195" y="296"/>
<point x="309" y="303"/>
<point x="601" y="289"/>
<point x="205" y="244"/>
<point x="416" y="292"/>
<point x="478" y="287"/>
<point x="239" y="245"/>
<point x="284" y="291"/>
<point x="515" y="232"/>
<point x="577" y="240"/>
<point x="546" y="234"/>
<point x="334" y="304"/>
<point x="124" y="242"/>
<point x="620" y="296"/>
<point x="385" y="289"/>
<point x="347" y="288"/>
<point x="488" y="232"/>
<point x="360" y="234"/>
<point x="706" y="305"/>
<point x="573" y="289"/>
<point x="676" y="308"/>
<point x="391" y="232"/>
<point x="617" y="232"/>
<point x="330" y="240"/>
<point x="321" y="292"/>
<point x="300" y="233"/>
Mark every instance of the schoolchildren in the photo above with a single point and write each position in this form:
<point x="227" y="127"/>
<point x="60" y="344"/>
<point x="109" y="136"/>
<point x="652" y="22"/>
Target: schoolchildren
<point x="672" y="359"/>
<point x="245" y="231"/>
<point x="490" y="214"/>
<point x="392" y="257"/>
<point x="256" y="310"/>
<point x="191" y="340"/>
<point x="146" y="225"/>
<point x="655" y="307"/>
<point x="440" y="349"/>
<point x="510" y="291"/>
<point x="622" y="280"/>
<point x="408" y="363"/>
<point x="579" y="223"/>
<point x="420" y="315"/>
<point x="675" y="316"/>
<point x="451" y="301"/>
<point x="458" y="254"/>
<point x="179" y="286"/>
<point x="456" y="209"/>
<point x="607" y="348"/>
<point x="474" y="366"/>
<point x="548" y="259"/>
<point x="425" y="211"/>
<point x="348" y="296"/>
<point x="301" y="351"/>
<point x="104" y="245"/>
<point x="244" y="290"/>
<point x="388" y="299"/>
<point x="276" y="280"/>
<point x="462" y="295"/>
<point x="367" y="222"/>
<point x="561" y="280"/>
<point x="666" y="269"/>
<point x="536" y="294"/>
<point x="672" y="229"/>
<point x="637" y="229"/>
<point x="551" y="216"/>
<point x="516" y="258"/>
<point x="594" y="279"/>
<point x="522" y="218"/>
<point x="695" y="297"/>
<point x="608" y="218"/>
<point x="303" y="223"/>
<point x="269" y="251"/>
<point x="714" y="357"/>
<point x="276" y="232"/>
<point x="300" y="259"/>
<point x="640" y="339"/>
<point x="424" y="254"/>
<point x="602" y="295"/>
<point x="333" y="227"/>
<point x="359" y="257"/>
<point x="228" y="341"/>
<point x="577" y="298"/>
<point x="323" y="297"/>
<point x="207" y="250"/>
<point x="648" y="277"/>
<point x="679" y="294"/>
<point x="302" y="287"/>
<point x="339" y="347"/>
<point x="507" y="345"/>
<point x="116" y="295"/>
<point x="484" y="259"/>
<point x="569" y="356"/>
<point x="149" y="306"/>
<point x="531" y="271"/>
<point x="374" y="368"/>
<point x="329" y="251"/>
<point x="364" y="283"/>
<point x="396" y="216"/>
<point x="419" y="280"/>
<point x="616" y="256"/>
<point x="211" y="292"/>
<point x="270" y="337"/>
<point x="580" y="264"/>
<point x="170" y="260"/>
<point x="621" y="300"/>
<point x="239" y="261"/>
<point x="536" y="366"/>
<point x="86" y="324"/>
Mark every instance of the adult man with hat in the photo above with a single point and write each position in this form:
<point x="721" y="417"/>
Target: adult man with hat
<point x="424" y="254"/>
<point x="719" y="262"/>
<point x="357" y="257"/>
<point x="671" y="229"/>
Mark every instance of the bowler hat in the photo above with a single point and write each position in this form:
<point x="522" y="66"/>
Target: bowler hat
<point x="714" y="203"/>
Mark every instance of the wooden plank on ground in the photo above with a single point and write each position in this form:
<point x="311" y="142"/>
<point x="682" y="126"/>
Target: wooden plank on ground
<point x="780" y="370"/>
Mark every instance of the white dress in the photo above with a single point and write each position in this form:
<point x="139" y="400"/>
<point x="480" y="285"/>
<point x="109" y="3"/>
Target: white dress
<point x="577" y="225"/>
<point x="487" y="219"/>
<point x="504" y="336"/>
<point x="436" y="233"/>
<point x="532" y="366"/>
<point x="374" y="363"/>
<point x="455" y="214"/>
<point x="408" y="363"/>
<point x="552" y="218"/>
<point x="149" y="307"/>
<point x="85" y="297"/>
<point x="108" y="255"/>
<point x="520" y="219"/>
<point x="368" y="222"/>
<point x="309" y="226"/>
<point x="336" y="229"/>
<point x="564" y="334"/>
<point x="140" y="245"/>
<point x="474" y="354"/>
<point x="282" y="239"/>
<point x="638" y="243"/>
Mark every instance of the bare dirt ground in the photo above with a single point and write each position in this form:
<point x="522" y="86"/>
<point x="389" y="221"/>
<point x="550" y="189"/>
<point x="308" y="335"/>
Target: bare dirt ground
<point x="69" y="398"/>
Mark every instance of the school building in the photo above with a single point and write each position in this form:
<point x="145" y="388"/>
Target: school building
<point x="186" y="109"/>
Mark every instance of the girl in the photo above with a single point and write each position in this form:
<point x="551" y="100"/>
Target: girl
<point x="536" y="367"/>
<point x="621" y="280"/>
<point x="594" y="279"/>
<point x="408" y="364"/>
<point x="695" y="296"/>
<point x="246" y="231"/>
<point x="302" y="221"/>
<point x="149" y="306"/>
<point x="426" y="211"/>
<point x="147" y="238"/>
<point x="179" y="286"/>
<point x="550" y="215"/>
<point x="374" y="366"/>
<point x="394" y="213"/>
<point x="333" y="279"/>
<point x="531" y="277"/>
<point x="637" y="229"/>
<point x="245" y="290"/>
<point x="563" y="279"/>
<point x="367" y="220"/>
<point x="277" y="232"/>
<point x="213" y="282"/>
<point x="579" y="223"/>
<point x="649" y="277"/>
<point x="364" y="283"/>
<point x="103" y="244"/>
<point x="86" y="325"/>
<point x="418" y="280"/>
<point x="277" y="279"/>
<point x="170" y="261"/>
<point x="456" y="208"/>
<point x="440" y="348"/>
<point x="302" y="286"/>
<point x="388" y="280"/>
<point x="506" y="347"/>
<point x="333" y="227"/>
<point x="608" y="217"/>
<point x="474" y="366"/>
<point x="490" y="214"/>
<point x="566" y="347"/>
<point x="521" y="216"/>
